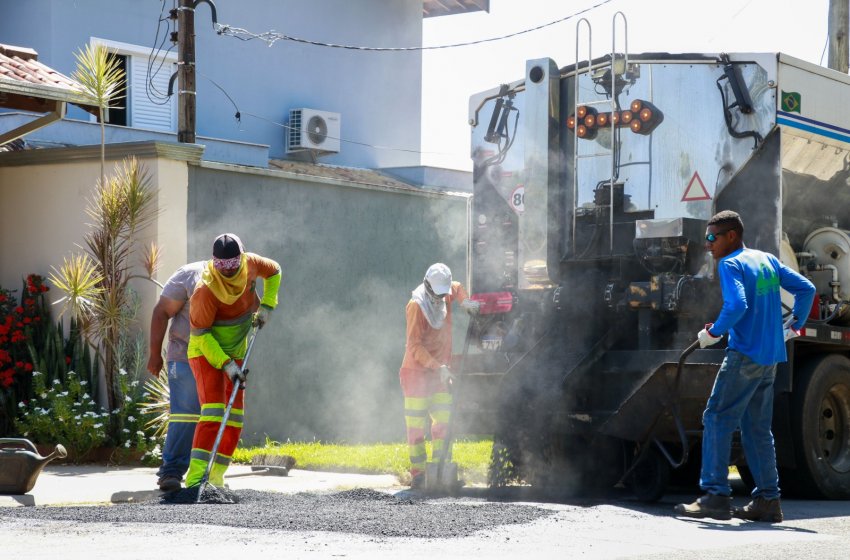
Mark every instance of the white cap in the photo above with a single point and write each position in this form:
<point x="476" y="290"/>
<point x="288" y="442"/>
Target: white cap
<point x="439" y="277"/>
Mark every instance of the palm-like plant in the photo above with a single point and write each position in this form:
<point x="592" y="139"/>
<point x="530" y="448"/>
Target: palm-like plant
<point x="102" y="80"/>
<point x="96" y="285"/>
<point x="157" y="404"/>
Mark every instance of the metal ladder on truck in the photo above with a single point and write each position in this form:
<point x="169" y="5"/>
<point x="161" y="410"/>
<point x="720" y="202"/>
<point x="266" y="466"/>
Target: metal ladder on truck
<point x="614" y="118"/>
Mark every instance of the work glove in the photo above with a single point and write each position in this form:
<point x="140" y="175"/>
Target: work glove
<point x="707" y="339"/>
<point x="788" y="330"/>
<point x="233" y="371"/>
<point x="446" y="375"/>
<point x="471" y="306"/>
<point x="262" y="316"/>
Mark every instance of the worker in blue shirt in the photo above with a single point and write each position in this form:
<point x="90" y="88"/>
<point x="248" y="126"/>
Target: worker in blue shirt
<point x="743" y="389"/>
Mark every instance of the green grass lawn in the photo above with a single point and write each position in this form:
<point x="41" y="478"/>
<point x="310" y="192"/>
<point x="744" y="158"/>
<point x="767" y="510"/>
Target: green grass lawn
<point x="472" y="457"/>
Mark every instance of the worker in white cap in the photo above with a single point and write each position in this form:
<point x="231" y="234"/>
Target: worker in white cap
<point x="425" y="374"/>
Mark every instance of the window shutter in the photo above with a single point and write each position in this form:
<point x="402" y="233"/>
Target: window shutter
<point x="145" y="113"/>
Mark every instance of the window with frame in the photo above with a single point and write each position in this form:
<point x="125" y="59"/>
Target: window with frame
<point x="144" y="102"/>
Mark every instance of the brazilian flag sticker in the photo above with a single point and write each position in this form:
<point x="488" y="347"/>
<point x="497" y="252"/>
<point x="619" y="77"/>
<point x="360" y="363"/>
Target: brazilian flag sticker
<point x="791" y="102"/>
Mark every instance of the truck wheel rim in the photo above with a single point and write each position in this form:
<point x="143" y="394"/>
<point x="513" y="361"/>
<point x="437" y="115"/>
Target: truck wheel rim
<point x="834" y="424"/>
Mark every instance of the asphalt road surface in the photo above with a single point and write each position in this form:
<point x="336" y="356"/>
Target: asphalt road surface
<point x="367" y="524"/>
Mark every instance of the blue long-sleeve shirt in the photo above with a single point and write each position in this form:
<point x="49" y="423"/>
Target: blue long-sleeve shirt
<point x="752" y="308"/>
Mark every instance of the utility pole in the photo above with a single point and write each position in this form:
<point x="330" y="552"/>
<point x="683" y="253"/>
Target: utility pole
<point x="186" y="72"/>
<point x="839" y="19"/>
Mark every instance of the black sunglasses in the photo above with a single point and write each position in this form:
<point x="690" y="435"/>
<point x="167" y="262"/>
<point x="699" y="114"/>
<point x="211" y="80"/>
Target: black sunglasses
<point x="712" y="237"/>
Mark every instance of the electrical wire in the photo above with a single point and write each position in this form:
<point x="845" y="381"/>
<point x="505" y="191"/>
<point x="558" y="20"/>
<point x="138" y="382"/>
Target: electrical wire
<point x="153" y="94"/>
<point x="271" y="37"/>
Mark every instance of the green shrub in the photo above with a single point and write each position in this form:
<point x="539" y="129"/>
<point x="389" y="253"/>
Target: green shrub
<point x="63" y="413"/>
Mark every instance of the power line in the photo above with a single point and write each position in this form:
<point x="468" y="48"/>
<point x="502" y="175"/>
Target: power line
<point x="271" y="37"/>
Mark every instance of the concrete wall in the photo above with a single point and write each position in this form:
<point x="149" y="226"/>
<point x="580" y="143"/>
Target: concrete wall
<point x="378" y="94"/>
<point x="327" y="364"/>
<point x="43" y="218"/>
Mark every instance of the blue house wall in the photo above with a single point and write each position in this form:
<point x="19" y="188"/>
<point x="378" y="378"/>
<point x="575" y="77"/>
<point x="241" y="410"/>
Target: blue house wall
<point x="378" y="94"/>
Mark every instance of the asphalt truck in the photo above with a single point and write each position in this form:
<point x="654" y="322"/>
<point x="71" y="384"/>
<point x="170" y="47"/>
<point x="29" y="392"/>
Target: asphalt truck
<point x="593" y="184"/>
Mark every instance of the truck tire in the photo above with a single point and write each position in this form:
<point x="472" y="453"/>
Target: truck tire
<point x="821" y="429"/>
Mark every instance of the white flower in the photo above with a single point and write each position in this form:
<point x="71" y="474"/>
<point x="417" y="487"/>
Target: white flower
<point x="43" y="395"/>
<point x="127" y="443"/>
<point x="35" y="374"/>
<point x="85" y="396"/>
<point x="116" y="411"/>
<point x="131" y="419"/>
<point x="21" y="404"/>
<point x="98" y="425"/>
<point x="63" y="394"/>
<point x="91" y="402"/>
<point x="140" y="433"/>
<point x="134" y="384"/>
<point x="84" y="383"/>
<point x="128" y="399"/>
<point x="77" y="417"/>
<point x="122" y="371"/>
<point x="56" y="382"/>
<point x="126" y="431"/>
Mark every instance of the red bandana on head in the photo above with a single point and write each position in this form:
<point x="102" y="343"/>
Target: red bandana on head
<point x="227" y="264"/>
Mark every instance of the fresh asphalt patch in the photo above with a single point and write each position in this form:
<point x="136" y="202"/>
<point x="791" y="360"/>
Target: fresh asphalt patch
<point x="362" y="511"/>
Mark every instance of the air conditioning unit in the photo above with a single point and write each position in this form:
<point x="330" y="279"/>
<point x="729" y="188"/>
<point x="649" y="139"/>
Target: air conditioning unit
<point x="310" y="129"/>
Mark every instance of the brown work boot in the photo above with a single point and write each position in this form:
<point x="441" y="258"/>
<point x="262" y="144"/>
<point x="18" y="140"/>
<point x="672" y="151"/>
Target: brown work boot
<point x="769" y="511"/>
<point x="710" y="505"/>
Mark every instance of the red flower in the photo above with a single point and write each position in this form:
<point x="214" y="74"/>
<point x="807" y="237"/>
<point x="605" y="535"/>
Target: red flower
<point x="19" y="365"/>
<point x="2" y="298"/>
<point x="18" y="336"/>
<point x="36" y="318"/>
<point x="4" y="356"/>
<point x="44" y="288"/>
<point x="29" y="302"/>
<point x="19" y="310"/>
<point x="67" y="360"/>
<point x="27" y="320"/>
<point x="28" y="366"/>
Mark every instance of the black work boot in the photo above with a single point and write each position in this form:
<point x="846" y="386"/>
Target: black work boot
<point x="769" y="511"/>
<point x="710" y="505"/>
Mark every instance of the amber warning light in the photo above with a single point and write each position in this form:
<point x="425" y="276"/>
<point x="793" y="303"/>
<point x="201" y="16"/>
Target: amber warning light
<point x="641" y="118"/>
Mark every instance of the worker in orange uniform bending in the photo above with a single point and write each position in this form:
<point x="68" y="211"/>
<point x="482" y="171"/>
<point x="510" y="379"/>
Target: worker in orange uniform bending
<point x="221" y="312"/>
<point x="424" y="372"/>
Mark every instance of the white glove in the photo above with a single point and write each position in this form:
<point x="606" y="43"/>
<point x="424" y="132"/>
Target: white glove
<point x="446" y="375"/>
<point x="233" y="371"/>
<point x="706" y="338"/>
<point x="471" y="306"/>
<point x="262" y="316"/>
<point x="788" y="330"/>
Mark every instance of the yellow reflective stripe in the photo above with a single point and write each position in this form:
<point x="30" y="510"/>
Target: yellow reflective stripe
<point x="442" y="398"/>
<point x="234" y="424"/>
<point x="441" y="416"/>
<point x="183" y="418"/>
<point x="209" y="407"/>
<point x="415" y="403"/>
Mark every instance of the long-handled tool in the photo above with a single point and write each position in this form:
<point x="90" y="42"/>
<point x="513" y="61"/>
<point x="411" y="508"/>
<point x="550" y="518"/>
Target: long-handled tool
<point x="443" y="476"/>
<point x="237" y="385"/>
